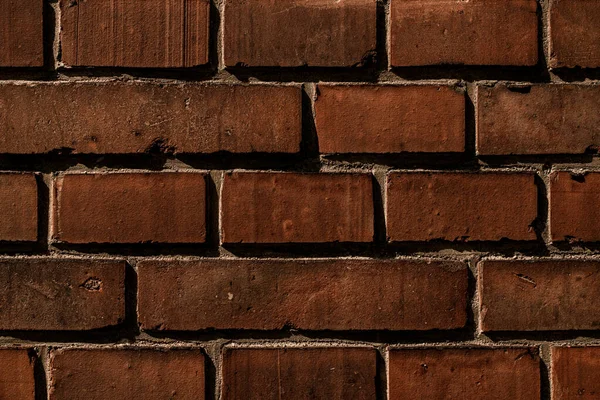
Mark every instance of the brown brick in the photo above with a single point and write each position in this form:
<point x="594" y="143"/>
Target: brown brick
<point x="390" y="119"/>
<point x="163" y="207"/>
<point x="423" y="206"/>
<point x="537" y="119"/>
<point x="19" y="207"/>
<point x="539" y="295"/>
<point x="290" y="33"/>
<point x="134" y="33"/>
<point x="466" y="374"/>
<point x="140" y="117"/>
<point x="575" y="373"/>
<point x="574" y="33"/>
<point x="299" y="373"/>
<point x="312" y="295"/>
<point x="477" y="32"/>
<point x="259" y="207"/>
<point x="61" y="294"/>
<point x="130" y="373"/>
<point x="21" y="33"/>
<point x="16" y="372"/>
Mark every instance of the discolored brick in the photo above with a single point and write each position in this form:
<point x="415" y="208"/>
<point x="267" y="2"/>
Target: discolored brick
<point x="16" y="374"/>
<point x="19" y="207"/>
<point x="575" y="373"/>
<point x="21" y="33"/>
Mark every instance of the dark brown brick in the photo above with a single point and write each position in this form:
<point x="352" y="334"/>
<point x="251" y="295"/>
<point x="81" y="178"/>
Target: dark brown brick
<point x="127" y="373"/>
<point x="19" y="207"/>
<point x="134" y="33"/>
<point x="575" y="373"/>
<point x="138" y="117"/>
<point x="423" y="206"/>
<point x="61" y="294"/>
<point x="574" y="33"/>
<point x="261" y="207"/>
<point x="299" y="373"/>
<point x="537" y="119"/>
<point x="477" y="32"/>
<point x="16" y="372"/>
<point x="390" y="119"/>
<point x="21" y="33"/>
<point x="290" y="33"/>
<point x="538" y="295"/>
<point x="466" y="374"/>
<point x="313" y="295"/>
<point x="162" y="207"/>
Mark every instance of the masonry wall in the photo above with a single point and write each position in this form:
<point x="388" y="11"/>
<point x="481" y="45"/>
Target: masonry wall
<point x="300" y="199"/>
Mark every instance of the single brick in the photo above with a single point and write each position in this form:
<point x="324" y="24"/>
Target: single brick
<point x="127" y="373"/>
<point x="539" y="295"/>
<point x="259" y="207"/>
<point x="299" y="373"/>
<point x="538" y="119"/>
<point x="18" y="207"/>
<point x="21" y="33"/>
<point x="466" y="374"/>
<point x="574" y="33"/>
<point x="160" y="207"/>
<point x="290" y="33"/>
<point x="312" y="295"/>
<point x="575" y="373"/>
<point x="477" y="32"/>
<point x="16" y="374"/>
<point x="134" y="33"/>
<point x="119" y="117"/>
<point x="390" y="119"/>
<point x="423" y="206"/>
<point x="61" y="294"/>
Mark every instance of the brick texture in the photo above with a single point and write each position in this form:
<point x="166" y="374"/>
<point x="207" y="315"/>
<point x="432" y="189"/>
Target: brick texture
<point x="21" y="33"/>
<point x="18" y="207"/>
<point x="318" y="373"/>
<point x="16" y="370"/>
<point x="575" y="373"/>
<point x="390" y="119"/>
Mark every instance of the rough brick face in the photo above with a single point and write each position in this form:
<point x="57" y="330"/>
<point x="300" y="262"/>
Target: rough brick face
<point x="300" y="373"/>
<point x="478" y="32"/>
<point x="575" y="373"/>
<point x="21" y="33"/>
<point x="456" y="206"/>
<point x="61" y="294"/>
<point x="390" y="119"/>
<point x="173" y="33"/>
<point x="537" y="119"/>
<point x="539" y="295"/>
<point x="165" y="207"/>
<point x="106" y="374"/>
<point x="141" y="117"/>
<point x="314" y="295"/>
<point x="16" y="372"/>
<point x="297" y="208"/>
<point x="466" y="374"/>
<point x="290" y="33"/>
<point x="18" y="207"/>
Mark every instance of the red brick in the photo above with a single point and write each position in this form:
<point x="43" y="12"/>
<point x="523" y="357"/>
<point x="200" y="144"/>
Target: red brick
<point x="536" y="295"/>
<point x="61" y="294"/>
<point x="477" y="32"/>
<point x="423" y="206"/>
<point x="134" y="33"/>
<point x="537" y="119"/>
<point x="390" y="119"/>
<point x="162" y="207"/>
<point x="259" y="207"/>
<point x="299" y="373"/>
<point x="127" y="373"/>
<point x="16" y="372"/>
<point x="575" y="373"/>
<point x="290" y="33"/>
<point x="19" y="207"/>
<point x="574" y="33"/>
<point x="311" y="295"/>
<point x="139" y="117"/>
<point x="21" y="33"/>
<point x="466" y="374"/>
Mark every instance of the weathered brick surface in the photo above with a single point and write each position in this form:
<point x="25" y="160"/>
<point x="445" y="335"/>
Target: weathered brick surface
<point x="16" y="372"/>
<point x="299" y="373"/>
<point x="575" y="373"/>
<point x="390" y="119"/>
<point x="21" y="33"/>
<point x="18" y="207"/>
<point x="130" y="373"/>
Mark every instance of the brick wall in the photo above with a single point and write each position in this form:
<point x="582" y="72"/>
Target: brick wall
<point x="300" y="199"/>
